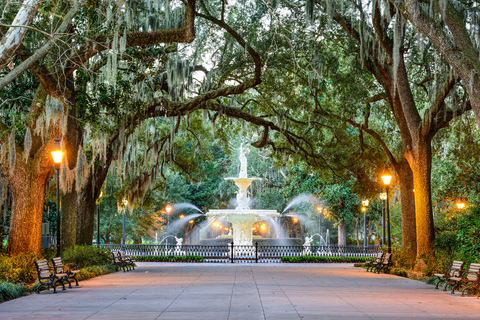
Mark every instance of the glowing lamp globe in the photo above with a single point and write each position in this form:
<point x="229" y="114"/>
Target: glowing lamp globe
<point x="168" y="208"/>
<point x="460" y="204"/>
<point x="57" y="153"/>
<point x="387" y="177"/>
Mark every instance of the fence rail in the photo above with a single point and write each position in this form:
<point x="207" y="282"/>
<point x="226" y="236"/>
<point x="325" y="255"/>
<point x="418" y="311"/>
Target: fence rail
<point x="243" y="253"/>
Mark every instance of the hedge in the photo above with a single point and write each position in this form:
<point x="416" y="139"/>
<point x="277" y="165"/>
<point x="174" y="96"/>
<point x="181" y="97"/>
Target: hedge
<point x="314" y="259"/>
<point x="169" y="258"/>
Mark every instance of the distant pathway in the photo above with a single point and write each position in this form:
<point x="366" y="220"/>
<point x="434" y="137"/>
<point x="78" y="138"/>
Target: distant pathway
<point x="245" y="292"/>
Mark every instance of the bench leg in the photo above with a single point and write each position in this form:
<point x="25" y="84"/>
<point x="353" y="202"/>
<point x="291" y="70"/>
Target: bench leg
<point x="76" y="281"/>
<point x="453" y="289"/>
<point x="41" y="285"/>
<point x="61" y="281"/>
<point x="438" y="283"/>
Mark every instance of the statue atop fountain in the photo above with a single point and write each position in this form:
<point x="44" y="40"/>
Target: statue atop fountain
<point x="242" y="217"/>
<point x="243" y="163"/>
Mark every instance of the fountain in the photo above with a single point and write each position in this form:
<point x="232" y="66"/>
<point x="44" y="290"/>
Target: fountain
<point x="242" y="217"/>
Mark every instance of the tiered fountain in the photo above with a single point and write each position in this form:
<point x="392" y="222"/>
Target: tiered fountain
<point x="242" y="217"/>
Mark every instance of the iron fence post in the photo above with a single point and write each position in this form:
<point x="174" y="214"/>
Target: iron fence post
<point x="231" y="253"/>
<point x="256" y="251"/>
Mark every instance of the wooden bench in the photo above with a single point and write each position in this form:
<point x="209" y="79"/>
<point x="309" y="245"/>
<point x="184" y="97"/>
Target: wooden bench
<point x="117" y="261"/>
<point x="129" y="263"/>
<point x="47" y="276"/>
<point x="470" y="279"/>
<point x="455" y="270"/>
<point x="386" y="263"/>
<point x="70" y="269"/>
<point x="372" y="264"/>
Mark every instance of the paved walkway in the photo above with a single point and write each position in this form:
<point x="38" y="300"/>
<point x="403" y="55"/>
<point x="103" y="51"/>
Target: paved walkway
<point x="245" y="291"/>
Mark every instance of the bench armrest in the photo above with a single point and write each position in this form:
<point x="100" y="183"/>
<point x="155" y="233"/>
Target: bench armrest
<point x="71" y="266"/>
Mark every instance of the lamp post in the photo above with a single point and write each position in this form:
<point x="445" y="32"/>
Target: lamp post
<point x="57" y="155"/>
<point x="125" y="203"/>
<point x="383" y="197"/>
<point x="319" y="209"/>
<point x="98" y="219"/>
<point x="364" y="209"/>
<point x="168" y="209"/>
<point x="387" y="179"/>
<point x="460" y="203"/>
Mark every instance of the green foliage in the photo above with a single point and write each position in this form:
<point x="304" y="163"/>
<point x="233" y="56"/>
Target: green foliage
<point x="402" y="272"/>
<point x="313" y="259"/>
<point x="342" y="203"/>
<point x="401" y="259"/>
<point x="170" y="258"/>
<point x="85" y="256"/>
<point x="460" y="237"/>
<point x="93" y="271"/>
<point x="19" y="269"/>
<point x="9" y="290"/>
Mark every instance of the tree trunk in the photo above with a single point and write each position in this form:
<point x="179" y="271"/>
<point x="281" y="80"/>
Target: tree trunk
<point x="407" y="200"/>
<point x="71" y="142"/>
<point x="342" y="233"/>
<point x="90" y="192"/>
<point x="85" y="215"/>
<point x="27" y="180"/>
<point x="421" y="163"/>
<point x="28" y="192"/>
<point x="67" y="220"/>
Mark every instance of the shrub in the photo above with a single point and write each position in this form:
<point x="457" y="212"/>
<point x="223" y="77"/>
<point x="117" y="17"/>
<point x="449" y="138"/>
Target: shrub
<point x="314" y="259"/>
<point x="84" y="256"/>
<point x="170" y="258"/>
<point x="398" y="272"/>
<point x="10" y="290"/>
<point x="20" y="268"/>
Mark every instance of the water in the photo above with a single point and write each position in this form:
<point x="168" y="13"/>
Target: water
<point x="184" y="206"/>
<point x="177" y="224"/>
<point x="164" y="238"/>
<point x="320" y="239"/>
<point x="281" y="241"/>
<point x="302" y="218"/>
<point x="304" y="197"/>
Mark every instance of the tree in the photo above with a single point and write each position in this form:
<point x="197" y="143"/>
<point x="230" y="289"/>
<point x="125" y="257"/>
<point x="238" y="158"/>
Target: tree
<point x="452" y="27"/>
<point x="382" y="51"/>
<point x="29" y="162"/>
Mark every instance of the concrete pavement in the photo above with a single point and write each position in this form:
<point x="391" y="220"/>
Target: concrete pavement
<point x="244" y="292"/>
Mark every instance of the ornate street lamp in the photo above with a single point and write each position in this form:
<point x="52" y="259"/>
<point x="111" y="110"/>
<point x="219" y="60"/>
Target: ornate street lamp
<point x="320" y="211"/>
<point x="125" y="203"/>
<point x="364" y="210"/>
<point x="383" y="197"/>
<point x="57" y="155"/>
<point x="387" y="179"/>
<point x="98" y="219"/>
<point x="168" y="209"/>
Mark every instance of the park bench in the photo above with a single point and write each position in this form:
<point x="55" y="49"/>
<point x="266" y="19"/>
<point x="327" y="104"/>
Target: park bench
<point x="372" y="264"/>
<point x="70" y="269"/>
<point x="470" y="279"/>
<point x="455" y="270"/>
<point x="129" y="263"/>
<point x="47" y="277"/>
<point x="385" y="264"/>
<point x="118" y="263"/>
